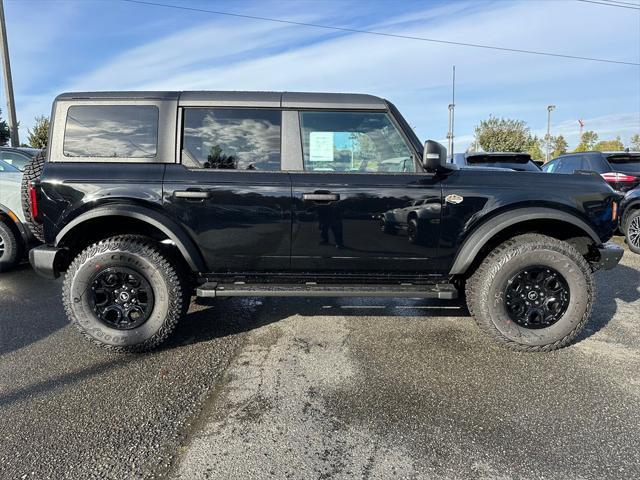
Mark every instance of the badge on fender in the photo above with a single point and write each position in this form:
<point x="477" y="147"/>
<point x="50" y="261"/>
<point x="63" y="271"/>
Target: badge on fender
<point x="453" y="198"/>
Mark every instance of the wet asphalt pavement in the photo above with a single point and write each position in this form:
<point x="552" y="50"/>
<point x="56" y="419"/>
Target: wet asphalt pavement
<point x="319" y="388"/>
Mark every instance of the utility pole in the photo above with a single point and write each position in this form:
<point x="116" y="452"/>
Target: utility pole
<point x="8" y="83"/>
<point x="452" y="107"/>
<point x="581" y="123"/>
<point x="550" y="109"/>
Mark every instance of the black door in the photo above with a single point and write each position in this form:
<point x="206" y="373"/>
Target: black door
<point x="361" y="205"/>
<point x="229" y="192"/>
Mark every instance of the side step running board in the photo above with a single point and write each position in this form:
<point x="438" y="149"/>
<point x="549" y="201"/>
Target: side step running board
<point x="212" y="289"/>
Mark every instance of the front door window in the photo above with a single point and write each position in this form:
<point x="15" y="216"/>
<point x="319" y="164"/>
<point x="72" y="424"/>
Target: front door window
<point x="346" y="142"/>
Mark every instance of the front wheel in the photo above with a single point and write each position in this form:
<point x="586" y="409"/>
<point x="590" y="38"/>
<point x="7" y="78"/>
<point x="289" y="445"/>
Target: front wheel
<point x="124" y="294"/>
<point x="632" y="232"/>
<point x="532" y="293"/>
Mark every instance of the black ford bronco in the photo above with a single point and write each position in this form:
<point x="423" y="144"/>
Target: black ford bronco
<point x="148" y="198"/>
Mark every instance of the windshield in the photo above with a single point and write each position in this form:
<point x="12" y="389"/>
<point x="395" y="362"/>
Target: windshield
<point x="625" y="163"/>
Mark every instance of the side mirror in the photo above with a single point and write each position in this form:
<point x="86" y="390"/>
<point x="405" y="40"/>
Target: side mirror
<point x="434" y="157"/>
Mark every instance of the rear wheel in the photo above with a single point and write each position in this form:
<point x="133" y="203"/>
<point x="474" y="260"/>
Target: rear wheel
<point x="124" y="294"/>
<point x="9" y="247"/>
<point x="632" y="231"/>
<point x="532" y="293"/>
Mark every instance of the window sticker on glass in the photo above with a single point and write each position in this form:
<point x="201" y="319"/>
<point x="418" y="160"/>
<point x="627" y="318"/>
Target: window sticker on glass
<point x="321" y="147"/>
<point x="353" y="142"/>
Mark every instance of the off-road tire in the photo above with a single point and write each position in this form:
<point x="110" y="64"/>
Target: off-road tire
<point x="486" y="289"/>
<point x="147" y="258"/>
<point x="32" y="172"/>
<point x="10" y="244"/>
<point x="633" y="222"/>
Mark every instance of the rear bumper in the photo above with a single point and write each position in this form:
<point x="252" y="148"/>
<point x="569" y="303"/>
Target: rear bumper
<point x="44" y="260"/>
<point x="610" y="256"/>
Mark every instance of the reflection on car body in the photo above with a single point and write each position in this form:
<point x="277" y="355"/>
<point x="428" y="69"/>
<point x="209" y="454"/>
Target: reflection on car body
<point x="413" y="218"/>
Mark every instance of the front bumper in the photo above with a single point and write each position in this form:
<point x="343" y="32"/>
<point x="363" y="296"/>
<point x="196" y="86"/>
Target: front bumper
<point x="45" y="260"/>
<point x="610" y="256"/>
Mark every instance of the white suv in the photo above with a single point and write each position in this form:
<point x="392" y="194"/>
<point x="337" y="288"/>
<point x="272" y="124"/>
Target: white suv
<point x="15" y="236"/>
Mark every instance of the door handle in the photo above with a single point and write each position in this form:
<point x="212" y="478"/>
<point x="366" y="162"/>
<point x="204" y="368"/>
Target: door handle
<point x="191" y="194"/>
<point x="321" y="197"/>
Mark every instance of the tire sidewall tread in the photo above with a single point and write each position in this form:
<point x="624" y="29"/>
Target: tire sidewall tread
<point x="32" y="172"/>
<point x="509" y="256"/>
<point x="171" y="301"/>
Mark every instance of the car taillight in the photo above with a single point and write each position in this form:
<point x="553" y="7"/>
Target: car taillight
<point x="33" y="200"/>
<point x="618" y="177"/>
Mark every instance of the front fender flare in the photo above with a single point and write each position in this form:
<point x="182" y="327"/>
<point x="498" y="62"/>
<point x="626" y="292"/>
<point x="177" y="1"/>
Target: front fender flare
<point x="485" y="232"/>
<point x="171" y="229"/>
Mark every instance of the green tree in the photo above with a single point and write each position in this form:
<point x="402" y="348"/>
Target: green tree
<point x="614" y="145"/>
<point x="40" y="134"/>
<point x="634" y="143"/>
<point x="587" y="141"/>
<point x="5" y="135"/>
<point x="558" y="146"/>
<point x="535" y="148"/>
<point x="503" y="135"/>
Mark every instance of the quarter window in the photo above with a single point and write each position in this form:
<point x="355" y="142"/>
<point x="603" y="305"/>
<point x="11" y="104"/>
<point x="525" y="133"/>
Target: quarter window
<point x="231" y="139"/>
<point x="353" y="142"/>
<point x="111" y="131"/>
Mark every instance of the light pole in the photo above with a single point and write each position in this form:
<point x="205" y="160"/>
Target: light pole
<point x="8" y="84"/>
<point x="452" y="107"/>
<point x="550" y="109"/>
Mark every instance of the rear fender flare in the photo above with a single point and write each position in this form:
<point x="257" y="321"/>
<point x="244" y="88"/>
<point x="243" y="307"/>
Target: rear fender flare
<point x="171" y="229"/>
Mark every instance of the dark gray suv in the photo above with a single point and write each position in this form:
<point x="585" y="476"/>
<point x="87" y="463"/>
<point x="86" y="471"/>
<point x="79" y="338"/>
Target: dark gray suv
<point x="621" y="170"/>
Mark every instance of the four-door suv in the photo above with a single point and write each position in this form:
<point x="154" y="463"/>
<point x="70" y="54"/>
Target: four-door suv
<point x="621" y="170"/>
<point x="147" y="198"/>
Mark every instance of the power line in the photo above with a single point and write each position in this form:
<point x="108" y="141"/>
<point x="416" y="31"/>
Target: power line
<point x="382" y="34"/>
<point x="635" y="4"/>
<point x="630" y="6"/>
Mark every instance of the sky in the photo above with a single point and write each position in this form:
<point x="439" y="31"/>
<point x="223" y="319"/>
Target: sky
<point x="92" y="45"/>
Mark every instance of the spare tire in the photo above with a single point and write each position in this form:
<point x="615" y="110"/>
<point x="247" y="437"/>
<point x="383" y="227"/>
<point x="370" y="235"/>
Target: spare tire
<point x="32" y="172"/>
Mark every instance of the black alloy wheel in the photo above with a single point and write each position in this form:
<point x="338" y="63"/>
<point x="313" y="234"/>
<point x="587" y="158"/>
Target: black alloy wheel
<point x="121" y="298"/>
<point x="537" y="297"/>
<point x="633" y="233"/>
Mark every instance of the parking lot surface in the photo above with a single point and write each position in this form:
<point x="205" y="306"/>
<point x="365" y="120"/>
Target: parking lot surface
<point x="319" y="388"/>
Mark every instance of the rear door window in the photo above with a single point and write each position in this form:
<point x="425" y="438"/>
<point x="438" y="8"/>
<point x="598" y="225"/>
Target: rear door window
<point x="111" y="131"/>
<point x="571" y="164"/>
<point x="231" y="138"/>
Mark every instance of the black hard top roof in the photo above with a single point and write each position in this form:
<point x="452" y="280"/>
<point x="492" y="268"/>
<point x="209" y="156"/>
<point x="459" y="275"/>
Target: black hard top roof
<point x="250" y="99"/>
